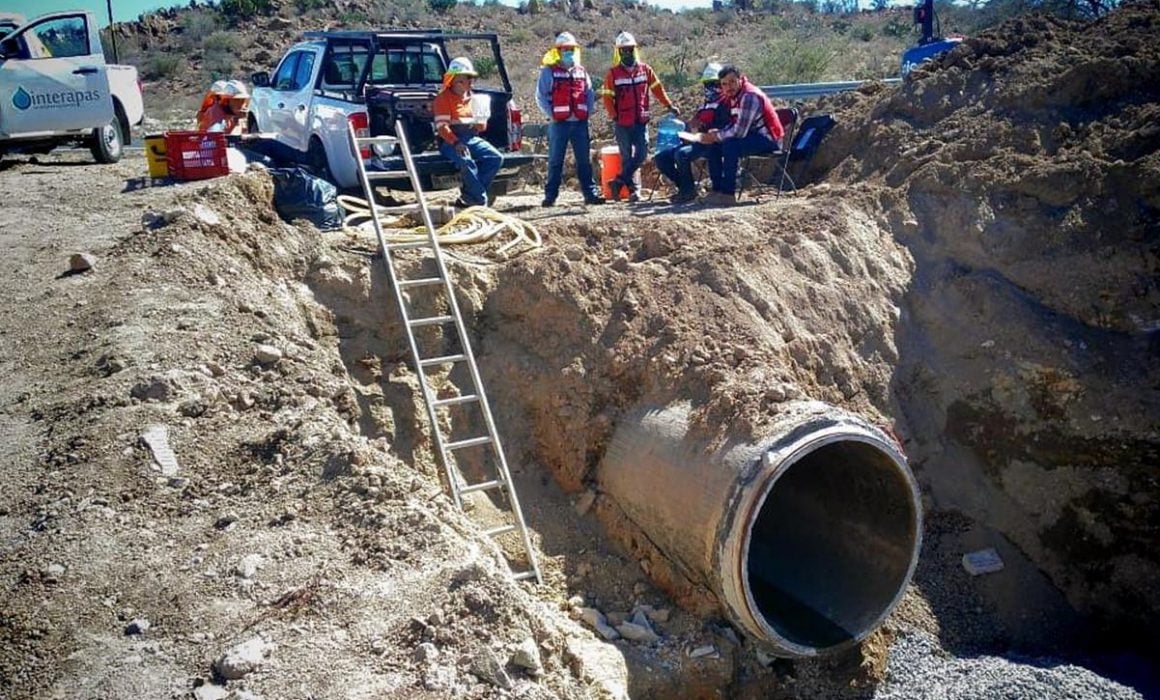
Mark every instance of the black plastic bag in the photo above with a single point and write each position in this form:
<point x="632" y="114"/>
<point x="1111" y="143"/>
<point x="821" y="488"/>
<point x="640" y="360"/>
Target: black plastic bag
<point x="300" y="195"/>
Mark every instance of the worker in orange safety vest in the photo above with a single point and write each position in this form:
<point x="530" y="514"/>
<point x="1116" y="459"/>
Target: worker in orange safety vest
<point x="626" y="97"/>
<point x="477" y="160"/>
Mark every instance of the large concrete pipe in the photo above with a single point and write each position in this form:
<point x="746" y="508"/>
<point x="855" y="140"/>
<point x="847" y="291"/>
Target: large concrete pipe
<point x="808" y="537"/>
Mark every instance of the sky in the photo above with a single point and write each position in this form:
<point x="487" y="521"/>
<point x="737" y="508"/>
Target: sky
<point x="128" y="10"/>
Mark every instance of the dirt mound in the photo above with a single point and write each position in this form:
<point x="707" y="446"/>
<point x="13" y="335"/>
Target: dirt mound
<point x="1022" y="172"/>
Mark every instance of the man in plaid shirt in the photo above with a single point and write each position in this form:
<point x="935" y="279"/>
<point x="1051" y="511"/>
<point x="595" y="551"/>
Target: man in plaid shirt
<point x="755" y="129"/>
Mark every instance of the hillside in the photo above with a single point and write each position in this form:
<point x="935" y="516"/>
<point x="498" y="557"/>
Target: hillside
<point x="181" y="51"/>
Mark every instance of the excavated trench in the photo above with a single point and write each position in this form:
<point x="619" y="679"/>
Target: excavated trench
<point x="719" y="384"/>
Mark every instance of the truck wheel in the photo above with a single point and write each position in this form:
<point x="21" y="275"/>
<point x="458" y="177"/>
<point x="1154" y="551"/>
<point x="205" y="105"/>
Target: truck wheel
<point x="108" y="141"/>
<point x="316" y="159"/>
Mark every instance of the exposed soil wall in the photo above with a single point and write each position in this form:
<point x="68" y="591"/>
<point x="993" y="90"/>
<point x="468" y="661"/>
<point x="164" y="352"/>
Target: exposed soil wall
<point x="1022" y="173"/>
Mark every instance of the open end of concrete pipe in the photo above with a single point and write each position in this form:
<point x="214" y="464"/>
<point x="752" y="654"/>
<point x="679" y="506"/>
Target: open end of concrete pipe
<point x="830" y="544"/>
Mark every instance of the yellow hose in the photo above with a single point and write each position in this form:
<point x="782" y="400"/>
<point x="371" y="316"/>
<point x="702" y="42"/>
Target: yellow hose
<point x="471" y="225"/>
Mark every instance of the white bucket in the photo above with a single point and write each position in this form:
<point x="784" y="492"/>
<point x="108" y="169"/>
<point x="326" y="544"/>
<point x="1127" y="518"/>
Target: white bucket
<point x="481" y="107"/>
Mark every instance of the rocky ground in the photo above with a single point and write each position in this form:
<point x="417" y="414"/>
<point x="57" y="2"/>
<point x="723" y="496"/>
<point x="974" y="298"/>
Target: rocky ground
<point x="990" y="294"/>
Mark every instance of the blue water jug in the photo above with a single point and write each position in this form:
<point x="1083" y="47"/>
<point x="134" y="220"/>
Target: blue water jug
<point x="667" y="132"/>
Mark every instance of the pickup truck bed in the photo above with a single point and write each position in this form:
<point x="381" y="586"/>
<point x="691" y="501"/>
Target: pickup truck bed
<point x="371" y="80"/>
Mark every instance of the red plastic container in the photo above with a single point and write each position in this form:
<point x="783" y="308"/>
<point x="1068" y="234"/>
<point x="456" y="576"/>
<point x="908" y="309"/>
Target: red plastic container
<point x="196" y="155"/>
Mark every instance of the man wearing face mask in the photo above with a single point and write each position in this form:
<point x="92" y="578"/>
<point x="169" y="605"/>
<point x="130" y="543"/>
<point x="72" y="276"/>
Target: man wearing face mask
<point x="626" y="89"/>
<point x="677" y="163"/>
<point x="564" y="94"/>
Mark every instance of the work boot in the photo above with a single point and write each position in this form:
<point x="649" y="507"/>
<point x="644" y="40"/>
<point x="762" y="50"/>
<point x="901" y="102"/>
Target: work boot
<point x="594" y="199"/>
<point x="548" y="203"/>
<point x="633" y="197"/>
<point x="683" y="197"/>
<point x="614" y="186"/>
<point x="720" y="199"/>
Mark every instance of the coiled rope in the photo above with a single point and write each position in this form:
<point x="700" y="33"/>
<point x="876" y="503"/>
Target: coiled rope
<point x="472" y="225"/>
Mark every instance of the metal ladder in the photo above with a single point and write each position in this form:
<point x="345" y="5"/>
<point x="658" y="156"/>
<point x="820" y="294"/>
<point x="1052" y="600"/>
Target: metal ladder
<point x="446" y="449"/>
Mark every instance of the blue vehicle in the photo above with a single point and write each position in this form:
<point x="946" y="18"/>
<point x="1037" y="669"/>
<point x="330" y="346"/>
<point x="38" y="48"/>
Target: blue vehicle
<point x="930" y="45"/>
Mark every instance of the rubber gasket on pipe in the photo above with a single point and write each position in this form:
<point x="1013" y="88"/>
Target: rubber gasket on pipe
<point x="808" y="536"/>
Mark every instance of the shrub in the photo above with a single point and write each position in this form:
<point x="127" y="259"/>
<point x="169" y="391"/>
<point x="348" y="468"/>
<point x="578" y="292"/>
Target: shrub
<point x="244" y="9"/>
<point x="220" y="42"/>
<point x="219" y="64"/>
<point x="162" y="65"/>
<point x="305" y="6"/>
<point x="485" y="66"/>
<point x="794" y="61"/>
<point x="196" y="25"/>
<point x="354" y="18"/>
<point x="442" y="5"/>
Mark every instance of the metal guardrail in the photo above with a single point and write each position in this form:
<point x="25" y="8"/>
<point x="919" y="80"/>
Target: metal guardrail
<point x="805" y="91"/>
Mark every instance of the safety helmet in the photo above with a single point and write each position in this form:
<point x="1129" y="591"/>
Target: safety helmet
<point x="461" y="66"/>
<point x="564" y="39"/>
<point x="712" y="72"/>
<point x="625" y="39"/>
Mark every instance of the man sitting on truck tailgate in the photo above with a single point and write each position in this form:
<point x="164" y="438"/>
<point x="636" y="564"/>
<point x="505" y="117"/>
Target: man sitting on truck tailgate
<point x="755" y="129"/>
<point x="478" y="161"/>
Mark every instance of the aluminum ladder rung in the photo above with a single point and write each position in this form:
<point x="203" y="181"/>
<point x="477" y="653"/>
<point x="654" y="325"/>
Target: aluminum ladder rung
<point x="469" y="442"/>
<point x="408" y="244"/>
<point x="466" y="398"/>
<point x="482" y="486"/>
<point x="380" y="140"/>
<point x="430" y="321"/>
<point x="444" y="360"/>
<point x="475" y="393"/>
<point x="422" y="282"/>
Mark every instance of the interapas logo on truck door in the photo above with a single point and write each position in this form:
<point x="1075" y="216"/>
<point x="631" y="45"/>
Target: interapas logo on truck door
<point x="23" y="99"/>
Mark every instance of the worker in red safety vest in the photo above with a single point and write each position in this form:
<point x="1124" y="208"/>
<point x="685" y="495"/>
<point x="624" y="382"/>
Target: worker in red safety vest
<point x="755" y="129"/>
<point x="677" y="163"/>
<point x="564" y="94"/>
<point x="626" y="97"/>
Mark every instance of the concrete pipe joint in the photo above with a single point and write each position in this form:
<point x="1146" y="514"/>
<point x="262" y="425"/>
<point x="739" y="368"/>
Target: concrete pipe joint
<point x="808" y="538"/>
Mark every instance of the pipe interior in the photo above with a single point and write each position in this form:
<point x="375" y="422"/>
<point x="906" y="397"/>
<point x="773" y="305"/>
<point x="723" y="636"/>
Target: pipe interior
<point x="832" y="544"/>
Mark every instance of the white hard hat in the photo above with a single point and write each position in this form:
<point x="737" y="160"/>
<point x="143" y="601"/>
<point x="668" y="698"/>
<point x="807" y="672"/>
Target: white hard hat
<point x="712" y="72"/>
<point x="565" y="39"/>
<point x="624" y="39"/>
<point x="461" y="66"/>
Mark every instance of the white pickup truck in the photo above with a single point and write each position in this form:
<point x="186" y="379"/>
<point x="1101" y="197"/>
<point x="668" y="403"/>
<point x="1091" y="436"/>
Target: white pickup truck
<point x="371" y="80"/>
<point x="56" y="89"/>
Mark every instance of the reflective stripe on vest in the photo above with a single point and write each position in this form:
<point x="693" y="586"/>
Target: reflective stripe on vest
<point x="631" y="94"/>
<point x="569" y="93"/>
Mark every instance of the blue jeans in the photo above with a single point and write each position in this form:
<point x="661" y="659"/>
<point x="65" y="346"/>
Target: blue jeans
<point x="677" y="164"/>
<point x="733" y="150"/>
<point x="633" y="144"/>
<point x="478" y="168"/>
<point x="560" y="134"/>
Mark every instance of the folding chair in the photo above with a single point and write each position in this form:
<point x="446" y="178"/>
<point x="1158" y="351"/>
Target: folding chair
<point x="803" y="147"/>
<point x="788" y="117"/>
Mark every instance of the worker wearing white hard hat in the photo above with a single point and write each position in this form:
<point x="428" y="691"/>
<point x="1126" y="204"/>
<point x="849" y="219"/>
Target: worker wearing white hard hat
<point x="225" y="107"/>
<point x="677" y="163"/>
<point x="458" y="129"/>
<point x="626" y="97"/>
<point x="564" y="94"/>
